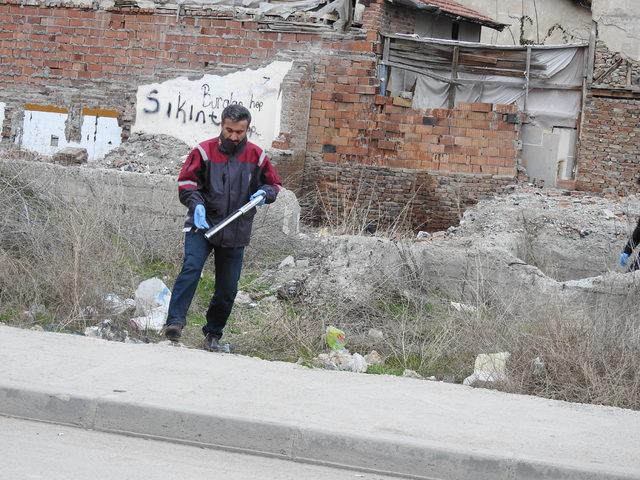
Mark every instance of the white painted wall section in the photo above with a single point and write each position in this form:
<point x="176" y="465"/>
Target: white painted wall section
<point x="44" y="132"/>
<point x="190" y="110"/>
<point x="100" y="135"/>
<point x="619" y="25"/>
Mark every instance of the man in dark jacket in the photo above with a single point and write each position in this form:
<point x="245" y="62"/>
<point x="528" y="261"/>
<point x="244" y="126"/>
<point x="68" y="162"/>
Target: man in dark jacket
<point x="633" y="242"/>
<point x="218" y="177"/>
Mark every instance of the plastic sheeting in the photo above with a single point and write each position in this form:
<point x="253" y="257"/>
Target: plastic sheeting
<point x="547" y="106"/>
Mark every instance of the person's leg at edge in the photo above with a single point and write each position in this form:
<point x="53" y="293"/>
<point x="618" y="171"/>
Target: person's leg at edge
<point x="196" y="252"/>
<point x="228" y="263"/>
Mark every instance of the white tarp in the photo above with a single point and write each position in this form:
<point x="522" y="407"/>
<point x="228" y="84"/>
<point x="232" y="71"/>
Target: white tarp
<point x="549" y="107"/>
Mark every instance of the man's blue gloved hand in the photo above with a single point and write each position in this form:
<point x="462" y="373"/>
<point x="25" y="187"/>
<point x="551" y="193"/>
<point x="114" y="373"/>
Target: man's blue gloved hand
<point x="257" y="194"/>
<point x="624" y="258"/>
<point x="200" y="217"/>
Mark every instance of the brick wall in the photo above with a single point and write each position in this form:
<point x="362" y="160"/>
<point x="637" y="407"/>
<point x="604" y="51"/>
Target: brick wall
<point x="609" y="157"/>
<point x="472" y="138"/>
<point x="613" y="70"/>
<point x="418" y="199"/>
<point x="609" y="149"/>
<point x="332" y="118"/>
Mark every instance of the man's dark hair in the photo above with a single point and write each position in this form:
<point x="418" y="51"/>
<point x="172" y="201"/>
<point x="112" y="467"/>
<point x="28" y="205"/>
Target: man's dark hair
<point x="236" y="113"/>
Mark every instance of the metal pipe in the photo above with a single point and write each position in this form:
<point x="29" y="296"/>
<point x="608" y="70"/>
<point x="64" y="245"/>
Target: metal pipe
<point x="235" y="215"/>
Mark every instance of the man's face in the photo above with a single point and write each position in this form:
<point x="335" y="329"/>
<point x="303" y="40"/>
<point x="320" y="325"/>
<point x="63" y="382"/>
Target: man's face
<point x="234" y="131"/>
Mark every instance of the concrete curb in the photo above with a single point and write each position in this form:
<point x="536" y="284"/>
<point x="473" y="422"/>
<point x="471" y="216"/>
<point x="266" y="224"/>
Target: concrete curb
<point x="395" y="456"/>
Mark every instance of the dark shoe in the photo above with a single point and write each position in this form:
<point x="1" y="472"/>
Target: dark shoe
<point x="173" y="332"/>
<point x="213" y="344"/>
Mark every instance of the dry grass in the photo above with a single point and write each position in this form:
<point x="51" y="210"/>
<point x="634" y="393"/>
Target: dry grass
<point x="61" y="253"/>
<point x="66" y="255"/>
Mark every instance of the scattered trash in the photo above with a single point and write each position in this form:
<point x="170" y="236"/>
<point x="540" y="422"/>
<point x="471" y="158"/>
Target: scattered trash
<point x="461" y="307"/>
<point x="335" y="338"/>
<point x="291" y="289"/>
<point x="423" y="235"/>
<point x="489" y="367"/>
<point x="116" y="305"/>
<point x="538" y="367"/>
<point x="107" y="330"/>
<point x="152" y="304"/>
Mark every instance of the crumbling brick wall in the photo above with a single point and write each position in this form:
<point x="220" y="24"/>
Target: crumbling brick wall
<point x="609" y="150"/>
<point x="333" y="117"/>
<point x="609" y="160"/>
<point x="396" y="197"/>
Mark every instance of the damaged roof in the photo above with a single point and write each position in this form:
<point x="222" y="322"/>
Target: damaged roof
<point x="452" y="9"/>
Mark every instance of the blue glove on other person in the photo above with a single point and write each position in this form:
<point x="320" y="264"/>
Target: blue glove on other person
<point x="257" y="194"/>
<point x="200" y="217"/>
<point x="624" y="258"/>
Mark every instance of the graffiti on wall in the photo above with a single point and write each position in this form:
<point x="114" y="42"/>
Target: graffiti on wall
<point x="43" y="130"/>
<point x="191" y="110"/>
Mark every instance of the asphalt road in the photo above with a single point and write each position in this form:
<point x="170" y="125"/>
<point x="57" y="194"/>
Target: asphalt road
<point x="34" y="450"/>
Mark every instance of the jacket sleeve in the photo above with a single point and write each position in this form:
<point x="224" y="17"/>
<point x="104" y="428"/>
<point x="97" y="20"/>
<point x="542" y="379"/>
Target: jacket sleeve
<point x="634" y="241"/>
<point x="191" y="180"/>
<point x="269" y="180"/>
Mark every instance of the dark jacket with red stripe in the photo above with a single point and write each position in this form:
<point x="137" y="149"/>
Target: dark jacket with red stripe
<point x="223" y="183"/>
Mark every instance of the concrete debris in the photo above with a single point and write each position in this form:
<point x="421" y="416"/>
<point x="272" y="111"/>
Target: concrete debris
<point x="145" y="153"/>
<point x="288" y="262"/>
<point x="374" y="358"/>
<point x="71" y="156"/>
<point x="243" y="298"/>
<point x="411" y="374"/>
<point x="491" y="367"/>
<point x="302" y="263"/>
<point x="341" y="360"/>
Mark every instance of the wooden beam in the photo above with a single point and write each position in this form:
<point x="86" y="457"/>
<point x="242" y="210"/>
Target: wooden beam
<point x="387" y="70"/>
<point x="527" y="75"/>
<point x="454" y="76"/>
<point x="630" y="94"/>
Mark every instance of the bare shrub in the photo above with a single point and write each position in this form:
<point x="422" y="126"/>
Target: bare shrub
<point x="356" y="209"/>
<point x="589" y="355"/>
<point x="60" y="251"/>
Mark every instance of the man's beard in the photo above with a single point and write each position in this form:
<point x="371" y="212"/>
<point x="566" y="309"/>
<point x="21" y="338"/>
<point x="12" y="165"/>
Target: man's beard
<point x="229" y="146"/>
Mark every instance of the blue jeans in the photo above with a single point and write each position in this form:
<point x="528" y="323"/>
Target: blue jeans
<point x="228" y="265"/>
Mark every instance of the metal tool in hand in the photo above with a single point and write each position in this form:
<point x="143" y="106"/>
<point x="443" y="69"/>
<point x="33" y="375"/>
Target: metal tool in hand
<point x="234" y="216"/>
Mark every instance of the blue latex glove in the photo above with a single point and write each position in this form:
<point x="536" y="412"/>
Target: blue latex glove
<point x="257" y="194"/>
<point x="200" y="217"/>
<point x="624" y="258"/>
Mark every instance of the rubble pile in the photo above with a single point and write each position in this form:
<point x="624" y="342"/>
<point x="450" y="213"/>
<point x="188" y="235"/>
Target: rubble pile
<point x="144" y="153"/>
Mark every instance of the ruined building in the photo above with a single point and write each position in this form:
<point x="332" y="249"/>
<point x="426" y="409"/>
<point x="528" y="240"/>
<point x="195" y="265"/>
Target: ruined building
<point x="416" y="107"/>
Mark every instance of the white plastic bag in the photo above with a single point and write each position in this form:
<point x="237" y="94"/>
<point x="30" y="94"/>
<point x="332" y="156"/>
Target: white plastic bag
<point x="152" y="304"/>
